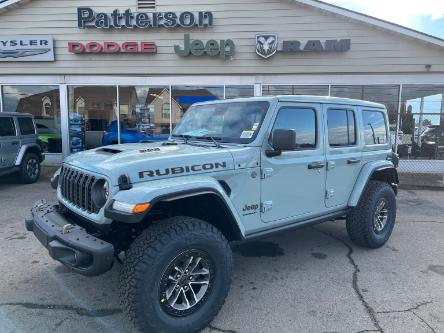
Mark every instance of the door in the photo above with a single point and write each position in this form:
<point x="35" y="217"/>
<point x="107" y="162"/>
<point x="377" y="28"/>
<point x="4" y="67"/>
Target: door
<point x="293" y="183"/>
<point x="343" y="152"/>
<point x="9" y="142"/>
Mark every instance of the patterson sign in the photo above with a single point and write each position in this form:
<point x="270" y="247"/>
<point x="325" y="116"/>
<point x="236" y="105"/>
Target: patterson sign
<point x="88" y="18"/>
<point x="26" y="48"/>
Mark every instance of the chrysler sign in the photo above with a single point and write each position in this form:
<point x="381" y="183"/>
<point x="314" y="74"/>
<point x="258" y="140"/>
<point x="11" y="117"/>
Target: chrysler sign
<point x="26" y="48"/>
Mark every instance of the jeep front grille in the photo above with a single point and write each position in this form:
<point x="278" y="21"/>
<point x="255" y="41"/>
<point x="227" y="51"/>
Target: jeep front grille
<point x="76" y="186"/>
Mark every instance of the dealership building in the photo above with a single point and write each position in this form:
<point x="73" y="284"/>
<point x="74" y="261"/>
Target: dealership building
<point x="101" y="72"/>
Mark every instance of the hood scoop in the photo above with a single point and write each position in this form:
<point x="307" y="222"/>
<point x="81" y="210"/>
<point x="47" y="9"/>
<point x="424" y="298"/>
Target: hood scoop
<point x="111" y="151"/>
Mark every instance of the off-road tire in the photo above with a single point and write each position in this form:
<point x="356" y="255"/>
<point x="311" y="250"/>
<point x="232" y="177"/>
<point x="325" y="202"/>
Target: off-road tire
<point x="360" y="220"/>
<point x="25" y="174"/>
<point x="146" y="261"/>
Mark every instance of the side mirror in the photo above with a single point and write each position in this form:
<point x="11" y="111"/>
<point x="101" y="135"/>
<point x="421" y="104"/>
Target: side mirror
<point x="283" y="139"/>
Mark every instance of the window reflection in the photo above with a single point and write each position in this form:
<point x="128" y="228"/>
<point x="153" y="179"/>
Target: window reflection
<point x="239" y="91"/>
<point x="144" y="115"/>
<point x="43" y="102"/>
<point x="184" y="96"/>
<point x="92" y="110"/>
<point x="273" y="90"/>
<point x="422" y="122"/>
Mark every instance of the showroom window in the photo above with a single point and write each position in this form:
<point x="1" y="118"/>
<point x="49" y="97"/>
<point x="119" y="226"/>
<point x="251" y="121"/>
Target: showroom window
<point x="184" y="96"/>
<point x="92" y="112"/>
<point x="273" y="90"/>
<point x="384" y="94"/>
<point x="239" y="91"/>
<point x="422" y="122"/>
<point x="144" y="115"/>
<point x="43" y="102"/>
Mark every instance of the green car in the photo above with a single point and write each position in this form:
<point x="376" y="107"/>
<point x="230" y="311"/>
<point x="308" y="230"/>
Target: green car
<point x="46" y="133"/>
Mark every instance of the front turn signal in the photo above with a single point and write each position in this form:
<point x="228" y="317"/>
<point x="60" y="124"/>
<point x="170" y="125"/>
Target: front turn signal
<point x="141" y="208"/>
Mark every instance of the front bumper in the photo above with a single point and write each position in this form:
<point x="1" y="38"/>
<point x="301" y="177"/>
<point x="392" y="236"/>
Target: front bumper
<point x="69" y="243"/>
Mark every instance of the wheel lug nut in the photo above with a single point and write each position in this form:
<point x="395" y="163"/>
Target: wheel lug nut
<point x="191" y="277"/>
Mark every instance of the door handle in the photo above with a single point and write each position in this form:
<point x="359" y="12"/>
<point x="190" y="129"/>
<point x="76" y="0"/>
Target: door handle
<point x="316" y="165"/>
<point x="14" y="143"/>
<point x="353" y="161"/>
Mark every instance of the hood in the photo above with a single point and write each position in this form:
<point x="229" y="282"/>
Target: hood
<point x="152" y="161"/>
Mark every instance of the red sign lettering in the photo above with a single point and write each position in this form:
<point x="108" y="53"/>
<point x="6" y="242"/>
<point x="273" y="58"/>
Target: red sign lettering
<point x="94" y="47"/>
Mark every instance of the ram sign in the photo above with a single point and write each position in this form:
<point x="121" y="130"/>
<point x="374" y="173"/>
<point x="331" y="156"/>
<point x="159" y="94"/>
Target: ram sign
<point x="26" y="48"/>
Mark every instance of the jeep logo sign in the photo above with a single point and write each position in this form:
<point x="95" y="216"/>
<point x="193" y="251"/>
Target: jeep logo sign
<point x="213" y="48"/>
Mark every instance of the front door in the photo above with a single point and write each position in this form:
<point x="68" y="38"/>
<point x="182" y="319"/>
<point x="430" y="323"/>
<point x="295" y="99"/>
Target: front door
<point x="9" y="142"/>
<point x="343" y="151"/>
<point x="293" y="183"/>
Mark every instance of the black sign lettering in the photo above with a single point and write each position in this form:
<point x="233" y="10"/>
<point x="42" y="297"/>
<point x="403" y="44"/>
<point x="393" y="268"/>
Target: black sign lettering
<point x="87" y="18"/>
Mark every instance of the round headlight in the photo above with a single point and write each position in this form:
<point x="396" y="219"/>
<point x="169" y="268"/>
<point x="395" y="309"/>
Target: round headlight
<point x="100" y="193"/>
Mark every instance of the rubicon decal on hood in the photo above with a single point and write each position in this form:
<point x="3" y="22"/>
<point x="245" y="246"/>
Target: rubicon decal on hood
<point x="182" y="170"/>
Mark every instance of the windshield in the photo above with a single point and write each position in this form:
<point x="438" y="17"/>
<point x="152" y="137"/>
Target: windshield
<point x="237" y="122"/>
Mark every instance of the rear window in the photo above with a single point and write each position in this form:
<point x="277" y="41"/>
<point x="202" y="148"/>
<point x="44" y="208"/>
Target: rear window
<point x="375" y="131"/>
<point x="341" y="128"/>
<point x="26" y="125"/>
<point x="7" y="127"/>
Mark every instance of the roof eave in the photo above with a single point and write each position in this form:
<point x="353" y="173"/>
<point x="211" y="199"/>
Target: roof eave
<point x="11" y="4"/>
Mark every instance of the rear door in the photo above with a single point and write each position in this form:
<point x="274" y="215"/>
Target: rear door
<point x="343" y="153"/>
<point x="9" y="142"/>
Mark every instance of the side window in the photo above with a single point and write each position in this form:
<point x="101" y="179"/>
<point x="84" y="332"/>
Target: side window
<point x="341" y="128"/>
<point x="375" y="131"/>
<point x="7" y="127"/>
<point x="26" y="125"/>
<point x="303" y="121"/>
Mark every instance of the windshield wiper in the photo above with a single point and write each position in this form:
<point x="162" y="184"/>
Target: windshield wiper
<point x="212" y="138"/>
<point x="183" y="136"/>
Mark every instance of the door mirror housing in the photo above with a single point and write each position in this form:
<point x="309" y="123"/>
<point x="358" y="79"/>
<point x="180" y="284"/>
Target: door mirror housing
<point x="283" y="139"/>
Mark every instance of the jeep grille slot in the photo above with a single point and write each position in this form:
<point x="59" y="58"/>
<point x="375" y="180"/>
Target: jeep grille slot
<point x="76" y="186"/>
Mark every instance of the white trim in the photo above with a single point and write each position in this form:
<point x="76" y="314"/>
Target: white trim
<point x="373" y="21"/>
<point x="64" y="120"/>
<point x="398" y="118"/>
<point x="218" y="80"/>
<point x="118" y="113"/>
<point x="1" y="98"/>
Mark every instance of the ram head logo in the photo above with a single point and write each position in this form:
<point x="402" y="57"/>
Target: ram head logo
<point x="266" y="45"/>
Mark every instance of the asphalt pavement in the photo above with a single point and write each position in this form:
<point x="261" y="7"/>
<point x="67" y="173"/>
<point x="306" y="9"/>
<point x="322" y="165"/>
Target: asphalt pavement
<point x="307" y="280"/>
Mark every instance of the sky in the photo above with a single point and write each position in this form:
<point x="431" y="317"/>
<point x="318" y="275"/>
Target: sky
<point x="423" y="15"/>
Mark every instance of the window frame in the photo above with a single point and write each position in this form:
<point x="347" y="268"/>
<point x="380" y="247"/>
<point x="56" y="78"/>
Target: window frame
<point x="316" y="129"/>
<point x="13" y="124"/>
<point x="20" y="126"/>
<point x="355" y="144"/>
<point x="387" y="129"/>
